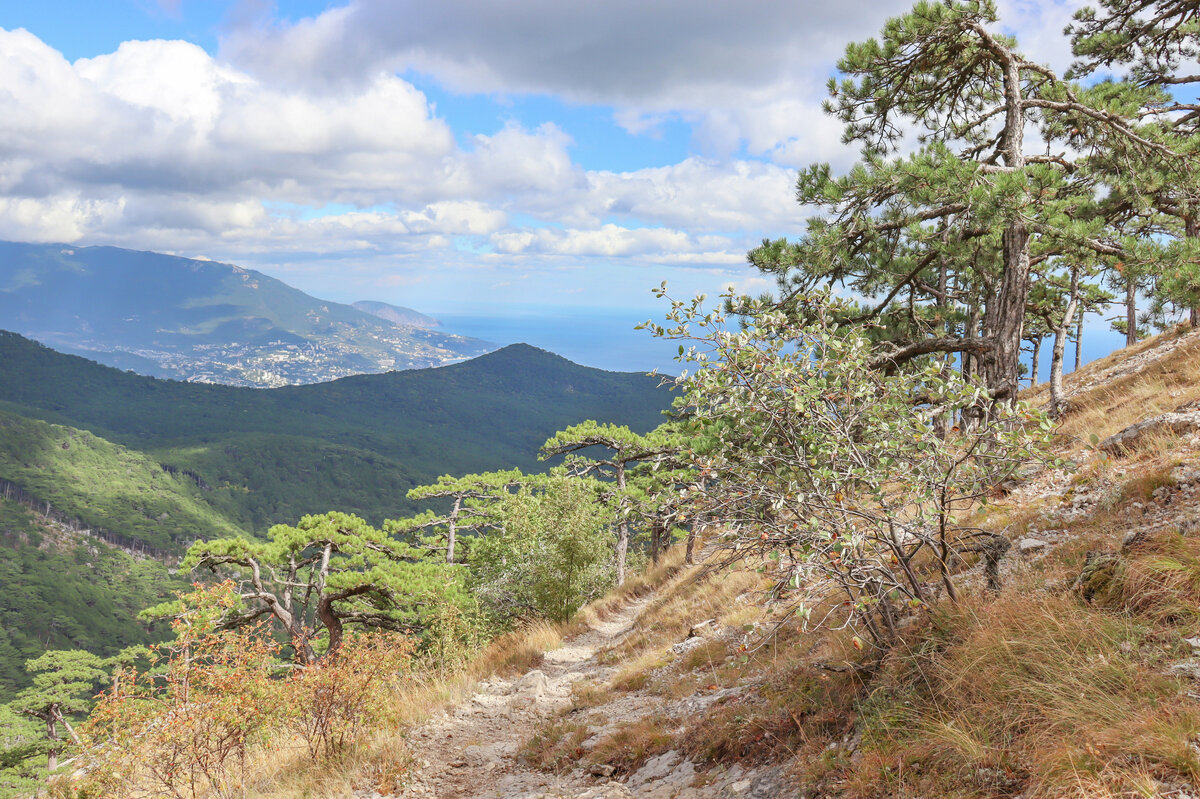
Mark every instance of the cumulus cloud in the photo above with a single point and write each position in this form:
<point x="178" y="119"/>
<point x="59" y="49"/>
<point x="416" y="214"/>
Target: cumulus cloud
<point x="732" y="67"/>
<point x="161" y="144"/>
<point x="304" y="140"/>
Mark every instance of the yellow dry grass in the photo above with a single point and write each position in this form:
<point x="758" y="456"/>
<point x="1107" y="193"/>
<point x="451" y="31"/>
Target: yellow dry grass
<point x="1113" y="405"/>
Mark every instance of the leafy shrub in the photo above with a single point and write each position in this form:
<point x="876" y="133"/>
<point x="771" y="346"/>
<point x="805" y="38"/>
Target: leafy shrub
<point x="551" y="555"/>
<point x="332" y="703"/>
<point x="183" y="727"/>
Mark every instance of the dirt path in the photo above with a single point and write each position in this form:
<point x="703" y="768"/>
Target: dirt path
<point x="471" y="751"/>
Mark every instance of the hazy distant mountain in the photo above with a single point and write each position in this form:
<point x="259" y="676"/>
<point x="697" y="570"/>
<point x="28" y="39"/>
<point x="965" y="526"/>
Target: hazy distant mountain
<point x="203" y="321"/>
<point x="397" y="314"/>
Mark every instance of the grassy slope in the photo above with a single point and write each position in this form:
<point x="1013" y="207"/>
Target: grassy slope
<point x="1049" y="689"/>
<point x="108" y="486"/>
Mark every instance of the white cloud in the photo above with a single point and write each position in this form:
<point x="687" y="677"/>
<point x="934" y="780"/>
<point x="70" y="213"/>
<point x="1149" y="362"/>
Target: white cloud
<point x="160" y="145"/>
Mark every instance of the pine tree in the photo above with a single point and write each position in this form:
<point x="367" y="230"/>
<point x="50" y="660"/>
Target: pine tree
<point x="63" y="683"/>
<point x="942" y="241"/>
<point x="1158" y="43"/>
<point x="472" y="497"/>
<point x="325" y="573"/>
<point x="625" y="448"/>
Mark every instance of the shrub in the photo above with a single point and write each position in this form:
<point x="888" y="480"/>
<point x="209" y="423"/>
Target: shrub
<point x="331" y="704"/>
<point x="183" y="727"/>
<point x="849" y="473"/>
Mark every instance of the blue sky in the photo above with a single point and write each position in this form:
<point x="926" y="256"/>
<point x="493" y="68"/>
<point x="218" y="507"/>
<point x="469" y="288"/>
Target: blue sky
<point x="456" y="156"/>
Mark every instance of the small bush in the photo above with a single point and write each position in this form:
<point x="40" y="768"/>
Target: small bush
<point x="556" y="747"/>
<point x="331" y="704"/>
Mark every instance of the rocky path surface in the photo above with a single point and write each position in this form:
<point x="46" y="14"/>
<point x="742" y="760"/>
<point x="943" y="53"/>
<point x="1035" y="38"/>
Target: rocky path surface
<point x="471" y="751"/>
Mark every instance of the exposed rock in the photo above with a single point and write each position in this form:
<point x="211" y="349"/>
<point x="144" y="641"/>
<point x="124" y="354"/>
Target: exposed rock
<point x="1186" y="668"/>
<point x="667" y="770"/>
<point x="1028" y="546"/>
<point x="533" y="685"/>
<point x="613" y="790"/>
<point x="1174" y="422"/>
<point x="687" y="645"/>
<point x="1097" y="574"/>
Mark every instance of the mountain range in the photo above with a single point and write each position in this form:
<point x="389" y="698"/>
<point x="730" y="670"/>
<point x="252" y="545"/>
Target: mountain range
<point x="355" y="444"/>
<point x="204" y="321"/>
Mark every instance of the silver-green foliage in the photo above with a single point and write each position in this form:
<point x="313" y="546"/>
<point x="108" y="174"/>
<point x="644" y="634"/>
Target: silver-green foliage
<point x="834" y="469"/>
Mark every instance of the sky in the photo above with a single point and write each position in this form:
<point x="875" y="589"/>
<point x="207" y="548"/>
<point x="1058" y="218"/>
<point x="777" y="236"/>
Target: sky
<point x="458" y="156"/>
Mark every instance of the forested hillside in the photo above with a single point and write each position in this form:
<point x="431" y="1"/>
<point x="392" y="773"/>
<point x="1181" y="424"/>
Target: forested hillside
<point x="64" y="589"/>
<point x="356" y="444"/>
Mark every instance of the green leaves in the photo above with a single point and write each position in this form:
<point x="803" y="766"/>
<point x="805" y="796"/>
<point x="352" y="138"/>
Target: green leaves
<point x="326" y="571"/>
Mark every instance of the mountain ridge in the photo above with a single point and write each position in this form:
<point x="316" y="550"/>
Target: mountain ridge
<point x="356" y="443"/>
<point x="202" y="320"/>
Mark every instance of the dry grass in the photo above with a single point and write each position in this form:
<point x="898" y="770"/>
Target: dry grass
<point x="631" y="745"/>
<point x="1109" y="408"/>
<point x="1159" y="581"/>
<point x="556" y="747"/>
<point x="687" y="599"/>
<point x="1040" y="695"/>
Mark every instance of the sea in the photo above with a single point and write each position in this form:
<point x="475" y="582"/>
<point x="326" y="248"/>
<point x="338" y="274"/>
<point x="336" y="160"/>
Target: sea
<point x="606" y="338"/>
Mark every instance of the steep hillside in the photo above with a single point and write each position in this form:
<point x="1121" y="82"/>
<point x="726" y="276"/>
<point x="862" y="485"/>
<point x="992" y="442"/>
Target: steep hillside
<point x="355" y="444"/>
<point x="396" y="314"/>
<point x="66" y="589"/>
<point x="129" y="495"/>
<point x="204" y="321"/>
<point x="1079" y="678"/>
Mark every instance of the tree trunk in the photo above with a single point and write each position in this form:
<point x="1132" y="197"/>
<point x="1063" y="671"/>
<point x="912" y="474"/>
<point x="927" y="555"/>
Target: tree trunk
<point x="1058" y="404"/>
<point x="622" y="525"/>
<point x="970" y="331"/>
<point x="689" y="556"/>
<point x="332" y="623"/>
<point x="1191" y="228"/>
<point x="1005" y="318"/>
<point x="452" y="529"/>
<point x="1131" y="336"/>
<point x="1078" y="343"/>
<point x="1036" y="341"/>
<point x="657" y="534"/>
<point x="52" y="735"/>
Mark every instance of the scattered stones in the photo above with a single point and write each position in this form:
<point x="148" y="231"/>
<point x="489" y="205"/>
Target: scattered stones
<point x="1177" y="423"/>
